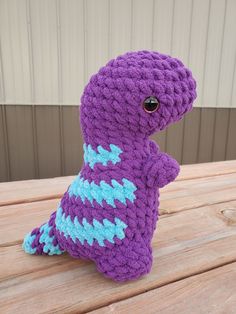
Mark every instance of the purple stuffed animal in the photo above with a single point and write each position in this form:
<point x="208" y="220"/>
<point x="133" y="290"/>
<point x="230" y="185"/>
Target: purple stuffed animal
<point x="109" y="212"/>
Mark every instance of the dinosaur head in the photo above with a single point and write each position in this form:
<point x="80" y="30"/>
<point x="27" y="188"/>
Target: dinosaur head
<point x="136" y="94"/>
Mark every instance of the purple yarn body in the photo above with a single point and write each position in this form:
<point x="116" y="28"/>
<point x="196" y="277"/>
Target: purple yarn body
<point x="112" y="112"/>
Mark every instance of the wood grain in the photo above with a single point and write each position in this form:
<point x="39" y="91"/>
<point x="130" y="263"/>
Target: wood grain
<point x="195" y="224"/>
<point x="207" y="169"/>
<point x="210" y="292"/>
<point x="194" y="193"/>
<point x="17" y="220"/>
<point x="34" y="190"/>
<point x="196" y="234"/>
<point x="179" y="196"/>
<point x="193" y="241"/>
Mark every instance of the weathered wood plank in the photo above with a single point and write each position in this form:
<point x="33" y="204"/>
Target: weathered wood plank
<point x="34" y="190"/>
<point x="210" y="292"/>
<point x="13" y="260"/>
<point x="207" y="169"/>
<point x="164" y="236"/>
<point x="16" y="220"/>
<point x="185" y="244"/>
<point x="186" y="194"/>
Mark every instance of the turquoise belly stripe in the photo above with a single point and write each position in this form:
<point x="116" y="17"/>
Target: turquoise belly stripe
<point x="103" y="191"/>
<point x="103" y="156"/>
<point x="89" y="232"/>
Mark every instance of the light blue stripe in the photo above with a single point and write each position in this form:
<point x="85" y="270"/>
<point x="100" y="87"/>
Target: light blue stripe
<point x="89" y="232"/>
<point x="103" y="191"/>
<point x="102" y="156"/>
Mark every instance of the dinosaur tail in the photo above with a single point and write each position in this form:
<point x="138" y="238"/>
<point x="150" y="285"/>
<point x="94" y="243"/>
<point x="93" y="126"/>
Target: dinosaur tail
<point x="42" y="240"/>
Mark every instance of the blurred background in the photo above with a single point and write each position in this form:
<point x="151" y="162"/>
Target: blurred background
<point x="49" y="49"/>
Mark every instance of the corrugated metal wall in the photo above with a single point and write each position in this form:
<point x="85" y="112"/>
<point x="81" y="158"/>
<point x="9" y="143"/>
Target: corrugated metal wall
<point x="45" y="141"/>
<point x="49" y="49"/>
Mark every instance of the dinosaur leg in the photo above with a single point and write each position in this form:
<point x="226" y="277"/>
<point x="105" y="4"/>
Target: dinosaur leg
<point x="127" y="261"/>
<point x="42" y="240"/>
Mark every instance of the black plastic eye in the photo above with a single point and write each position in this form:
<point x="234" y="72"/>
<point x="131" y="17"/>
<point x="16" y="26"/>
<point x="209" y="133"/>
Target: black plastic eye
<point x="151" y="104"/>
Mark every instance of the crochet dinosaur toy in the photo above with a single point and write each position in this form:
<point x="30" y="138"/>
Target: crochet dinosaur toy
<point x="109" y="212"/>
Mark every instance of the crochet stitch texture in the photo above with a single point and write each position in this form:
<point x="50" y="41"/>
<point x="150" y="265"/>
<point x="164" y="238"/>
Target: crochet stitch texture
<point x="109" y="212"/>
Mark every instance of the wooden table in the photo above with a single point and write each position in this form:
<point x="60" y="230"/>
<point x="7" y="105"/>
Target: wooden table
<point x="194" y="248"/>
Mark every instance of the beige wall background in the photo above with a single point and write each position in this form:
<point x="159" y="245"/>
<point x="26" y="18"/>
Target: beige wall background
<point x="49" y="49"/>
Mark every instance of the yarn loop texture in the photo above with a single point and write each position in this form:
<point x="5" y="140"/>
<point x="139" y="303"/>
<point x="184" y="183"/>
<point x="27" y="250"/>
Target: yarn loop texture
<point x="109" y="212"/>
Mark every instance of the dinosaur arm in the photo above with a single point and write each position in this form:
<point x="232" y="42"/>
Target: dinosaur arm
<point x="160" y="169"/>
